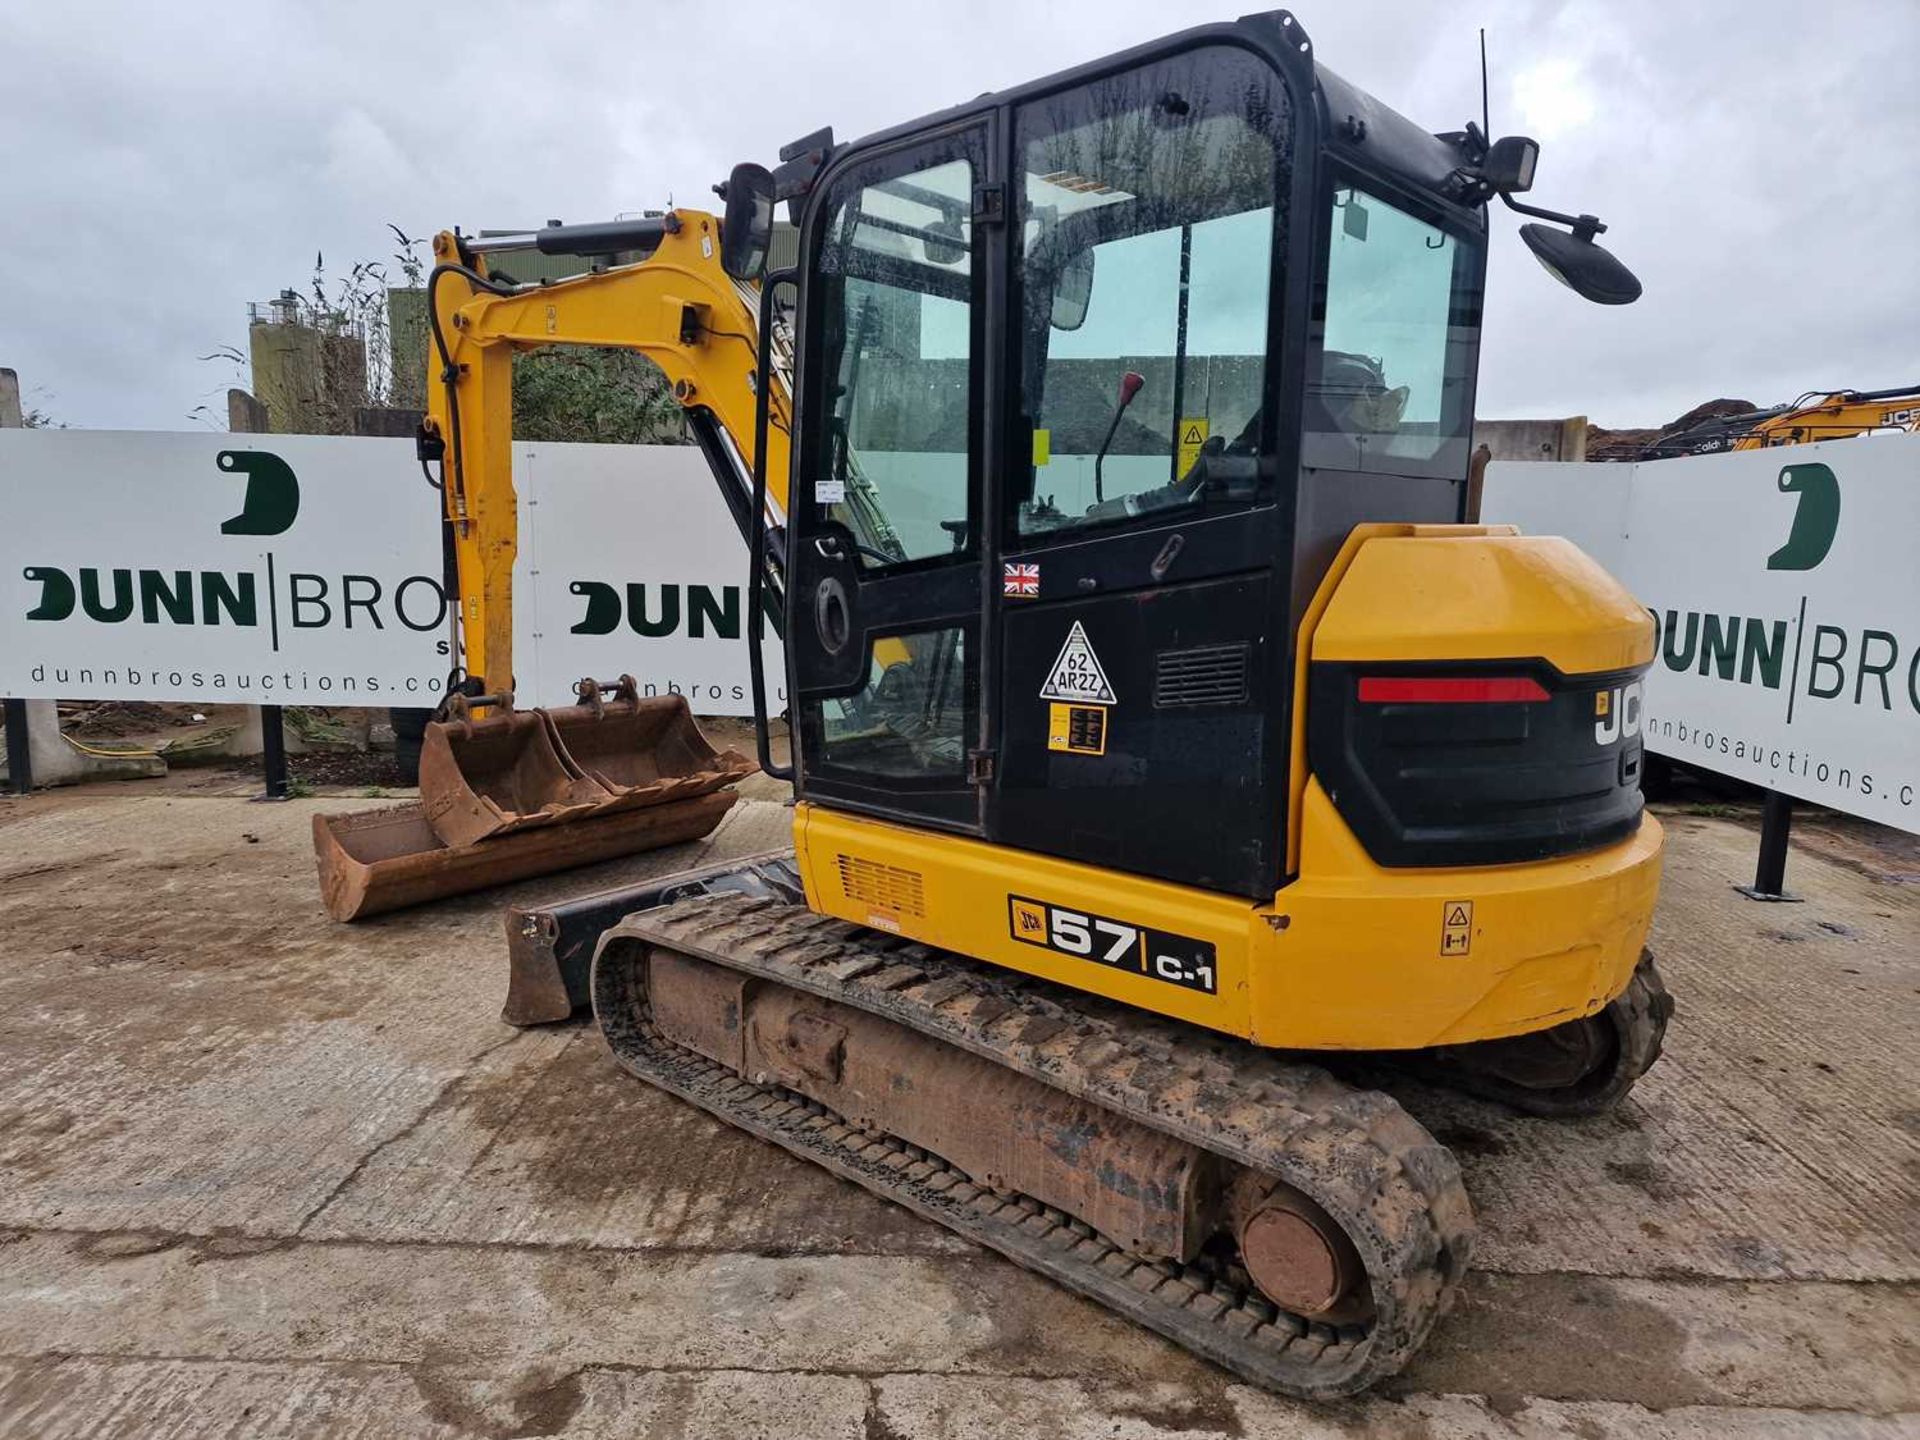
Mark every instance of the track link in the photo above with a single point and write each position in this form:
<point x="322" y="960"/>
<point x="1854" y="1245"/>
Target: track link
<point x="1394" y="1190"/>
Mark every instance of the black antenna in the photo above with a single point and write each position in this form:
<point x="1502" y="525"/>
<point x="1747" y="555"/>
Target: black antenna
<point x="1486" y="121"/>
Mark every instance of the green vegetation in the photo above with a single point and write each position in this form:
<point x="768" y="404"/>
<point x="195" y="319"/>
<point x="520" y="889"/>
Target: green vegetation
<point x="577" y="392"/>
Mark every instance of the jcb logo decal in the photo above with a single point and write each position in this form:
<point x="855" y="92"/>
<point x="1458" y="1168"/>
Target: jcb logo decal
<point x="1616" y="714"/>
<point x="1177" y="959"/>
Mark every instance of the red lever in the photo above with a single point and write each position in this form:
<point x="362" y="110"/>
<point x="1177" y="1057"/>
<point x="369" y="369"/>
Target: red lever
<point x="1130" y="384"/>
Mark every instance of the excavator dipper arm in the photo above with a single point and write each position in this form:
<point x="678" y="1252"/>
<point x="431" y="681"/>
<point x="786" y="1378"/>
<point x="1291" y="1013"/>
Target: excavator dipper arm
<point x="677" y="306"/>
<point x="499" y="792"/>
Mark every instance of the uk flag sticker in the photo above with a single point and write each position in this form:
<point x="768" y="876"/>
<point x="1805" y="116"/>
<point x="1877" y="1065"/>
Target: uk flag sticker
<point x="1021" y="580"/>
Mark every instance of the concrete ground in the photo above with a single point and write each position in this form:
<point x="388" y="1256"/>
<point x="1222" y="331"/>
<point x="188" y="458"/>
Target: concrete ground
<point x="261" y="1174"/>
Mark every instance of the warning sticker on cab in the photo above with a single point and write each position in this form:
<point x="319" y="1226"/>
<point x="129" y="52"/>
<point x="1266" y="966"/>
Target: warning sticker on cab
<point x="1077" y="673"/>
<point x="1177" y="959"/>
<point x="1192" y="436"/>
<point x="1456" y="927"/>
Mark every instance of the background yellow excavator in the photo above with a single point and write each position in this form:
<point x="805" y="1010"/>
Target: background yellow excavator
<point x="1839" y="415"/>
<point x="1155" y="721"/>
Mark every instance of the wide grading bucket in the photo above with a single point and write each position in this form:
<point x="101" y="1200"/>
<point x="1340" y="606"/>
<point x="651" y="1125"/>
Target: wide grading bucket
<point x="525" y="792"/>
<point x="374" y="861"/>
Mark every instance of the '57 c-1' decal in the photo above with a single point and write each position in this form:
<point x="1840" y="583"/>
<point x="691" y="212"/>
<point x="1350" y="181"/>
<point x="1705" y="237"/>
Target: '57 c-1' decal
<point x="1176" y="959"/>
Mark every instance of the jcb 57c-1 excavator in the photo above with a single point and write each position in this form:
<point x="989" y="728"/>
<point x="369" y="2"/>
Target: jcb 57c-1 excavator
<point x="1154" y="722"/>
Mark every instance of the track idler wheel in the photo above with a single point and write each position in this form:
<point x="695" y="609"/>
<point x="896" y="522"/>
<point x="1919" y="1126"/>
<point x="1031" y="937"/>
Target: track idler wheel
<point x="1584" y="1067"/>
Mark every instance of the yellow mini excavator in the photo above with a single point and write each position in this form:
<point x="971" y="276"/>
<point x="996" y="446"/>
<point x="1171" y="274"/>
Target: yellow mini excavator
<point x="1154" y="720"/>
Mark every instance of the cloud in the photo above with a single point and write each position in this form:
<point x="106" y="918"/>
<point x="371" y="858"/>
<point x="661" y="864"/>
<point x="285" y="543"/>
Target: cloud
<point x="1553" y="99"/>
<point x="162" y="172"/>
<point x="364" y="162"/>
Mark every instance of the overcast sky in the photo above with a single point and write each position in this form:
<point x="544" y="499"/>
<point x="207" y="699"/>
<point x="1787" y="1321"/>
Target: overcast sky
<point x="165" y="164"/>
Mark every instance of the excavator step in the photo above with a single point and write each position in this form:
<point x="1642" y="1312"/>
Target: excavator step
<point x="1267" y="1125"/>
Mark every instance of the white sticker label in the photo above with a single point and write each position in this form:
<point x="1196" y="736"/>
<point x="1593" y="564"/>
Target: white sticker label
<point x="829" y="492"/>
<point x="1076" y="674"/>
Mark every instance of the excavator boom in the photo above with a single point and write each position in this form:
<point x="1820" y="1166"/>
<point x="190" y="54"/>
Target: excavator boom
<point x="676" y="306"/>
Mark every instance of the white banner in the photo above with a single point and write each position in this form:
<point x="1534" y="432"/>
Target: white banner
<point x="1788" y="601"/>
<point x="630" y="563"/>
<point x="305" y="570"/>
<point x="289" y="569"/>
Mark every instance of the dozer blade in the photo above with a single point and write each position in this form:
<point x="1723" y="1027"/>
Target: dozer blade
<point x="497" y="775"/>
<point x="641" y="751"/>
<point x="550" y="944"/>
<point x="373" y="861"/>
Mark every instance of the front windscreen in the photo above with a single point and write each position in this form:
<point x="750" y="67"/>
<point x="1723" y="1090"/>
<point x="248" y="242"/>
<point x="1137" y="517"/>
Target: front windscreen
<point x="1394" y="335"/>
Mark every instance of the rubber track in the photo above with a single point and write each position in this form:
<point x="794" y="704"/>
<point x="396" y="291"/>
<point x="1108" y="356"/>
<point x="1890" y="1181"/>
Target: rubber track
<point x="1638" y="1018"/>
<point x="1395" y="1190"/>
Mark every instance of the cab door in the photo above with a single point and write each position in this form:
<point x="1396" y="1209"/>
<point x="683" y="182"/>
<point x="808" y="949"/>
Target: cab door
<point x="1143" y="519"/>
<point x="886" y="556"/>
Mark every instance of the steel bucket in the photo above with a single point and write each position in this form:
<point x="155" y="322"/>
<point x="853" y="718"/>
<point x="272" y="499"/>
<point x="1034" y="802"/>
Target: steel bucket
<point x="374" y="861"/>
<point x="493" y="776"/>
<point x="640" y="751"/>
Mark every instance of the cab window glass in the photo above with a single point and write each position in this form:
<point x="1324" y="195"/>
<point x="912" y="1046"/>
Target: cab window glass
<point x="1394" y="333"/>
<point x="913" y="718"/>
<point x="897" y="260"/>
<point x="1145" y="265"/>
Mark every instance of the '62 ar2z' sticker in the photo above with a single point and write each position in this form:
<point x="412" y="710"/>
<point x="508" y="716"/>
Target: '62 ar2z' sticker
<point x="1176" y="959"/>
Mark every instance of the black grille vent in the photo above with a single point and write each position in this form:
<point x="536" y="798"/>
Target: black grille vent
<point x="1203" y="675"/>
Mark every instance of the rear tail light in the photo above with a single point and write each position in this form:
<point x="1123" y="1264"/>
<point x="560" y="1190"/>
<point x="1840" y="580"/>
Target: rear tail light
<point x="1451" y="690"/>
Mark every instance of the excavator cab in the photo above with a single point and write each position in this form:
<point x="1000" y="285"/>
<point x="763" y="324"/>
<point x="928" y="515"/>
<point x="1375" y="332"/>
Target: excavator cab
<point x="1122" y="358"/>
<point x="1125" y="536"/>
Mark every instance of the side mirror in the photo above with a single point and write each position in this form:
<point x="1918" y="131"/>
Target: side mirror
<point x="746" y="230"/>
<point x="1073" y="290"/>
<point x="1585" y="268"/>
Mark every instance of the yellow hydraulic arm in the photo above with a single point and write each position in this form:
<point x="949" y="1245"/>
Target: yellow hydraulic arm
<point x="677" y="306"/>
<point x="1836" y="417"/>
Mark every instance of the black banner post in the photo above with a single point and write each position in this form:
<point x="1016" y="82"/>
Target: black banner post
<point x="273" y="753"/>
<point x="19" y="756"/>
<point x="1770" y="874"/>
